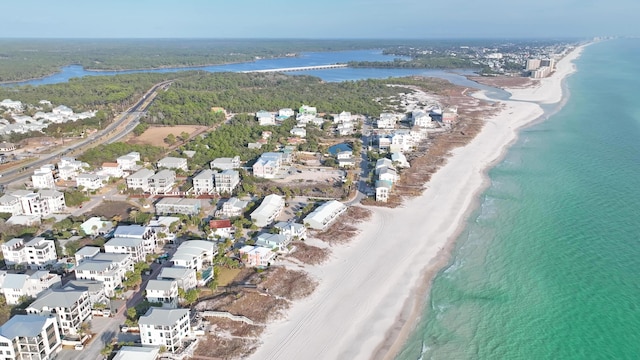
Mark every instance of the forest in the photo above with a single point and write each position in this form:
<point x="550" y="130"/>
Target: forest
<point x="110" y="152"/>
<point x="23" y="59"/>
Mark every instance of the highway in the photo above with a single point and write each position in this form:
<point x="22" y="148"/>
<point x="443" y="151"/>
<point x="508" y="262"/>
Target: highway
<point x="119" y="128"/>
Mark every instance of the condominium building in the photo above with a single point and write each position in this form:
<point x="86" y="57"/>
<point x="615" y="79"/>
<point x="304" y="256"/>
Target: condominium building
<point x="162" y="182"/>
<point x="268" y="210"/>
<point x="226" y="163"/>
<point x="203" y="183"/>
<point x="43" y="178"/>
<point x="70" y="307"/>
<point x="164" y="292"/>
<point x="184" y="206"/>
<point x="29" y="337"/>
<point x="226" y="181"/>
<point x="325" y="214"/>
<point x="140" y="179"/>
<point x="173" y="163"/>
<point x="36" y="253"/>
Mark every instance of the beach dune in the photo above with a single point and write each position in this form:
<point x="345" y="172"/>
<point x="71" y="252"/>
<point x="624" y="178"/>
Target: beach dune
<point x="373" y="288"/>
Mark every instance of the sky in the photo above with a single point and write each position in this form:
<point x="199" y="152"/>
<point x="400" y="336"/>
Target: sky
<point x="318" y="18"/>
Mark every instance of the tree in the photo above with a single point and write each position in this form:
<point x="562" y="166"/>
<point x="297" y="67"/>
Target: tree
<point x="85" y="328"/>
<point x="170" y="139"/>
<point x="191" y="296"/>
<point x="184" y="136"/>
<point x="106" y="351"/>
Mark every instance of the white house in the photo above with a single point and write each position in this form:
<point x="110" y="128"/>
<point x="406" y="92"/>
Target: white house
<point x="386" y="121"/>
<point x="104" y="271"/>
<point x="162" y="182"/>
<point x="383" y="163"/>
<point x="226" y="181"/>
<point x="10" y="204"/>
<point x="16" y="286"/>
<point x="299" y="132"/>
<point x="232" y="207"/>
<point x="164" y="292"/>
<point x="421" y="119"/>
<point x="286" y="112"/>
<point x="29" y="337"/>
<point x="89" y="181"/>
<point x="226" y="163"/>
<point x="325" y="214"/>
<point x="194" y="254"/>
<point x="388" y="174"/>
<point x="145" y="233"/>
<point x="55" y="200"/>
<point x="345" y="158"/>
<point x="292" y="230"/>
<point x="399" y="160"/>
<point x="36" y="253"/>
<point x="169" y="205"/>
<point x="131" y="246"/>
<point x="383" y="189"/>
<point x="33" y="203"/>
<point x="173" y="163"/>
<point x="401" y="140"/>
<point x="70" y="307"/>
<point x="43" y="178"/>
<point x="203" y="183"/>
<point x="165" y="327"/>
<point x="140" y="179"/>
<point x="256" y="256"/>
<point x="268" y="211"/>
<point x="265" y="118"/>
<point x="12" y="105"/>
<point x="95" y="226"/>
<point x="276" y="242"/>
<point x="112" y="170"/>
<point x="130" y="161"/>
<point x="342" y="117"/>
<point x="186" y="278"/>
<point x="137" y="353"/>
<point x="221" y="228"/>
<point x="268" y="165"/>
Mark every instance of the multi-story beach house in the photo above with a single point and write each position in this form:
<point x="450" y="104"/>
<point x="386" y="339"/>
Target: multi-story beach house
<point x="165" y="327"/>
<point x="129" y="162"/>
<point x="144" y="233"/>
<point x="29" y="337"/>
<point x="194" y="254"/>
<point x="325" y="214"/>
<point x="265" y="118"/>
<point x="140" y="179"/>
<point x="226" y="163"/>
<point x="386" y="121"/>
<point x="268" y="211"/>
<point x="36" y="253"/>
<point x="175" y="163"/>
<point x="15" y="287"/>
<point x="293" y="231"/>
<point x="268" y="165"/>
<point x="232" y="208"/>
<point x="43" y="178"/>
<point x="164" y="292"/>
<point x="186" y="278"/>
<point x="112" y="170"/>
<point x="70" y="307"/>
<point x="184" y="206"/>
<point x="204" y="182"/>
<point x="123" y="245"/>
<point x="256" y="256"/>
<point x="226" y="181"/>
<point x="162" y="182"/>
<point x="383" y="189"/>
<point x="89" y="181"/>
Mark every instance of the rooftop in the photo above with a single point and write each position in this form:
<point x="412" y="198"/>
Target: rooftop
<point x="162" y="317"/>
<point x="159" y="285"/>
<point x="57" y="298"/>
<point x="23" y="325"/>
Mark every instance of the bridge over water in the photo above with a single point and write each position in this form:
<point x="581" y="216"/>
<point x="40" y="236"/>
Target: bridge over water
<point x="300" y="68"/>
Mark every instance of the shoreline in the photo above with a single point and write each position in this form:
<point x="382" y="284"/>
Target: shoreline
<point x="366" y="280"/>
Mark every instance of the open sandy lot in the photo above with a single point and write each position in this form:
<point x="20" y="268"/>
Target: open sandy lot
<point x="155" y="135"/>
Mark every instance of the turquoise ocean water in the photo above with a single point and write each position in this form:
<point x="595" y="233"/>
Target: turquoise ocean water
<point x="549" y="265"/>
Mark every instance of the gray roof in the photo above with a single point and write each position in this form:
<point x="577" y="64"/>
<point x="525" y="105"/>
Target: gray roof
<point x="57" y="298"/>
<point x="112" y="257"/>
<point x="23" y="325"/>
<point x="89" y="285"/>
<point x="137" y="353"/>
<point x="88" y="251"/>
<point x="205" y="174"/>
<point x="14" y="281"/>
<point x="162" y="317"/>
<point x="124" y="241"/>
<point x="142" y="174"/>
<point x="159" y="285"/>
<point x="13" y="242"/>
<point x="164" y="174"/>
<point x="174" y="273"/>
<point x="7" y="199"/>
<point x="129" y="231"/>
<point x="90" y="265"/>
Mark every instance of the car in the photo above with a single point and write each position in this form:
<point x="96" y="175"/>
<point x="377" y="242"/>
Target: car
<point x="79" y="347"/>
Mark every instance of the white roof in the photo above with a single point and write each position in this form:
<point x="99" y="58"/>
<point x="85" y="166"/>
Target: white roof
<point x="159" y="285"/>
<point x="137" y="353"/>
<point x="269" y="205"/>
<point x="162" y="317"/>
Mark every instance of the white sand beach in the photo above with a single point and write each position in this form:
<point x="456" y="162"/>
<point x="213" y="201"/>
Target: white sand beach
<point x="372" y="289"/>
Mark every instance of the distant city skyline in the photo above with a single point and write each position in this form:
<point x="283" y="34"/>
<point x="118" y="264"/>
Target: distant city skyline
<point x="319" y="19"/>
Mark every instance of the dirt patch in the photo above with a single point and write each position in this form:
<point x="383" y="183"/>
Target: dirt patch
<point x="307" y="254"/>
<point x="226" y="276"/>
<point x="112" y="209"/>
<point x="155" y="135"/>
<point x="344" y="229"/>
<point x="504" y="81"/>
<point x="288" y="284"/>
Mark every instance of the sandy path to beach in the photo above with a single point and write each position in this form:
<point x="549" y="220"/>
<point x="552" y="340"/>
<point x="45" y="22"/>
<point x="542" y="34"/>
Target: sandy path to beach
<point x="373" y="283"/>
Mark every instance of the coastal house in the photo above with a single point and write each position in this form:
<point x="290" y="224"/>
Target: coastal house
<point x="140" y="179"/>
<point x="232" y="208"/>
<point x="43" y="178"/>
<point x="106" y="272"/>
<point x="268" y="165"/>
<point x="203" y="183"/>
<point x="171" y="205"/>
<point x="256" y="256"/>
<point x="225" y="163"/>
<point x="137" y="353"/>
<point x="162" y="182"/>
<point x="174" y="163"/>
<point x="299" y="132"/>
<point x="165" y="327"/>
<point x="401" y="140"/>
<point x="130" y="161"/>
<point x="186" y="278"/>
<point x="399" y="160"/>
<point x="226" y="181"/>
<point x="30" y="337"/>
<point x="345" y="158"/>
<point x="194" y="254"/>
<point x="145" y="233"/>
<point x="388" y="174"/>
<point x="275" y="242"/>
<point x="17" y="287"/>
<point x="112" y="170"/>
<point x="70" y="307"/>
<point x="165" y="225"/>
<point x="94" y="288"/>
<point x="286" y="113"/>
<point x="386" y="121"/>
<point x="383" y="189"/>
<point x="325" y="214"/>
<point x="383" y="163"/>
<point x="265" y="118"/>
<point x="422" y="119"/>
<point x="344" y="116"/>
<point x="96" y="226"/>
<point x="164" y="292"/>
<point x="124" y="245"/>
<point x="36" y="253"/>
<point x="89" y="181"/>
<point x="221" y="228"/>
<point x="293" y="231"/>
<point x="268" y="211"/>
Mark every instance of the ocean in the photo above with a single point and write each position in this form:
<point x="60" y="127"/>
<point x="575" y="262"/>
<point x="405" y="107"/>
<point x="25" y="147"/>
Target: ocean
<point x="548" y="266"/>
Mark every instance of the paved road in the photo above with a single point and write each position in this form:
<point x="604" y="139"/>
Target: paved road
<point x="122" y="125"/>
